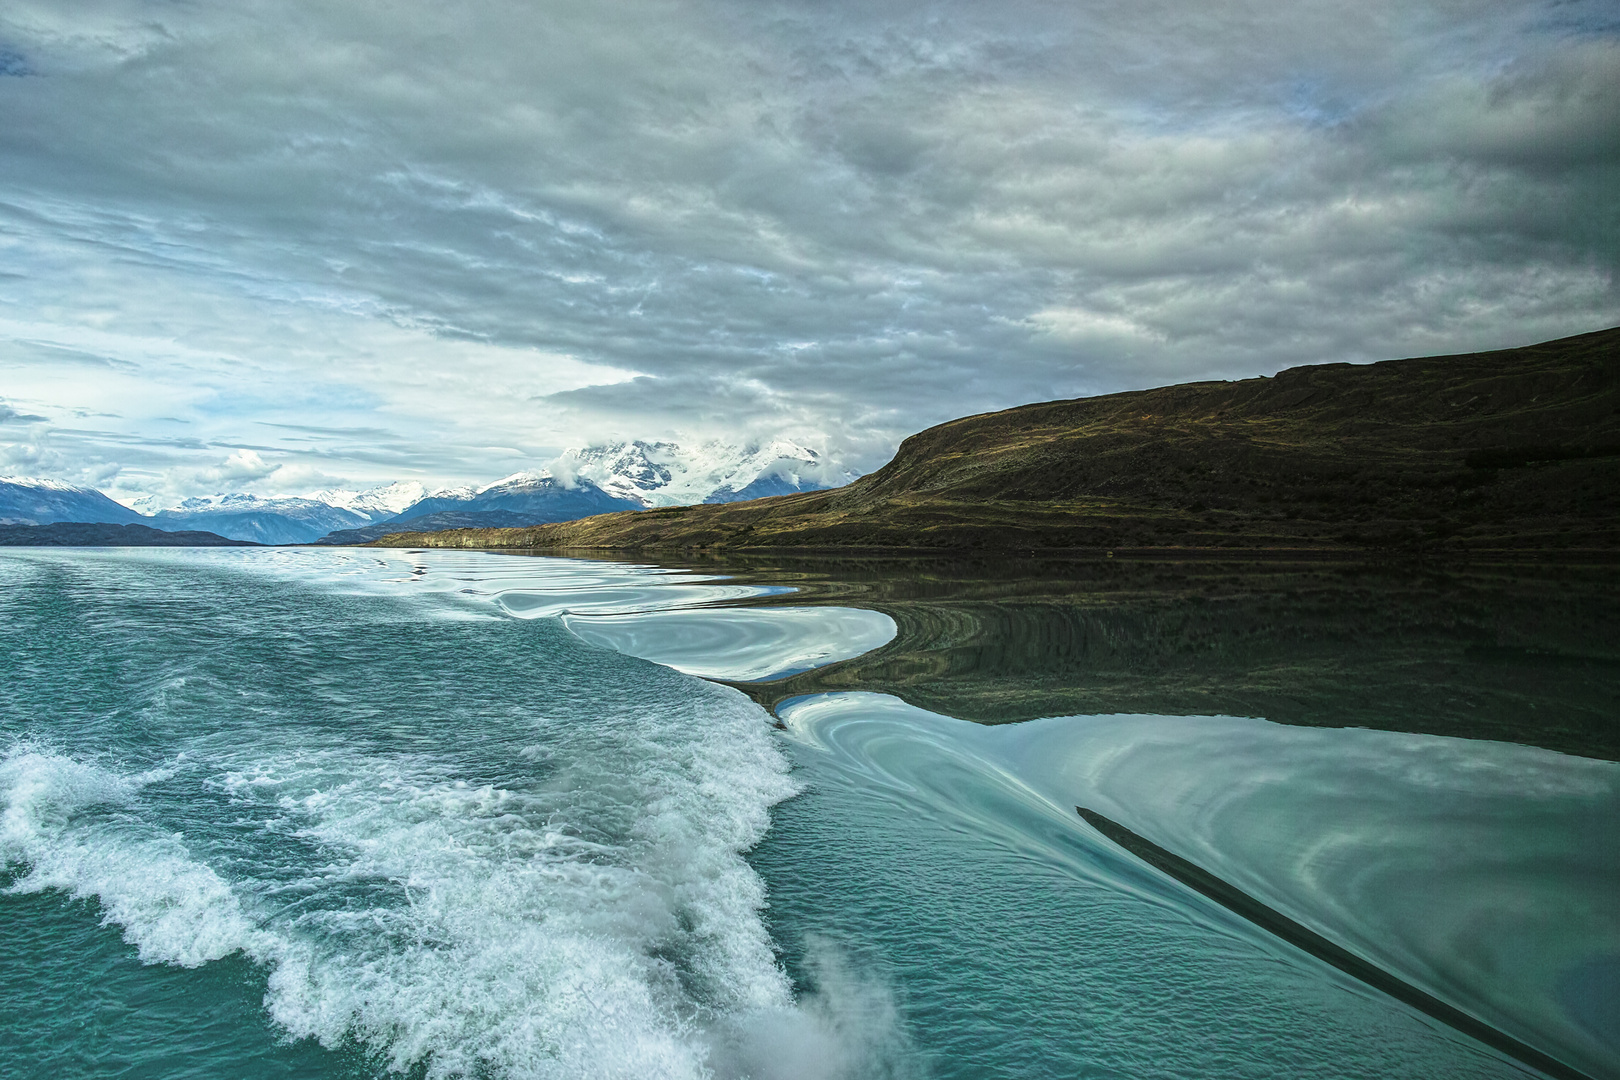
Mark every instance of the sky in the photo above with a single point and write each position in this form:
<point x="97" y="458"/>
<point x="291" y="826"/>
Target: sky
<point x="277" y="246"/>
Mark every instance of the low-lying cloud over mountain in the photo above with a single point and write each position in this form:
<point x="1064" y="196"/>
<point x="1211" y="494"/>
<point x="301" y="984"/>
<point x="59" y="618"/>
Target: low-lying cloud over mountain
<point x="300" y="245"/>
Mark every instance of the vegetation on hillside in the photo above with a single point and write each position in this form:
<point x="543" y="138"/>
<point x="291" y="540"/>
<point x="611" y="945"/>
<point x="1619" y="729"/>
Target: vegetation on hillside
<point x="1518" y="448"/>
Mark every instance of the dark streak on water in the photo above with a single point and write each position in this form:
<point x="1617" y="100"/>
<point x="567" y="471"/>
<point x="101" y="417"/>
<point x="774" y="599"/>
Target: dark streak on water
<point x="1301" y="937"/>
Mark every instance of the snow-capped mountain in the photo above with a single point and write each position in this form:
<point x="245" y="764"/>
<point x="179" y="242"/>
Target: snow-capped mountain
<point x="538" y="495"/>
<point x="636" y="475"/>
<point x="282" y="519"/>
<point x="631" y="476"/>
<point x="25" y="500"/>
<point x="264" y="520"/>
<point x="580" y="483"/>
<point x="378" y="503"/>
<point x="667" y="474"/>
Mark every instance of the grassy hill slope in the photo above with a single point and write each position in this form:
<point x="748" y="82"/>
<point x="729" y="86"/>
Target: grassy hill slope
<point x="1518" y="448"/>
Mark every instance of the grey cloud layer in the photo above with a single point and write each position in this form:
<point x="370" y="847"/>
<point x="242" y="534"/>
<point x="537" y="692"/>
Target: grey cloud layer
<point x="494" y="229"/>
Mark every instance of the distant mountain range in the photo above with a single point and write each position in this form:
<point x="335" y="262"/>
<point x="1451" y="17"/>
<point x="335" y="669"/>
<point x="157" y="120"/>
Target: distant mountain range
<point x="283" y="520"/>
<point x="582" y="483"/>
<point x="603" y="479"/>
<point x="539" y="495"/>
<point x="264" y="521"/>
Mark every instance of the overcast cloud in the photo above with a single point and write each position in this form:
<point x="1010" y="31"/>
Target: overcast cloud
<point x="290" y="245"/>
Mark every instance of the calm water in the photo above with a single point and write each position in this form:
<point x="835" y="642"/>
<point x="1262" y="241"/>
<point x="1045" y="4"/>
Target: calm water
<point x="312" y="813"/>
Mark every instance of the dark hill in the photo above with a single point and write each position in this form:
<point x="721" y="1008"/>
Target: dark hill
<point x="1518" y="448"/>
<point x="437" y="522"/>
<point x="97" y="534"/>
<point x="537" y="498"/>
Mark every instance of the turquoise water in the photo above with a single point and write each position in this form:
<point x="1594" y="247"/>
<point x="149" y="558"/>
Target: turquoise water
<point x="299" y="813"/>
<point x="1483" y="872"/>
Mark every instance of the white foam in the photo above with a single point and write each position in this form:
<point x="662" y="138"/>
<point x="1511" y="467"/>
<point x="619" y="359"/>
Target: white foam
<point x="540" y="943"/>
<point x="70" y="824"/>
<point x="503" y="939"/>
<point x="847" y="1025"/>
<point x="522" y="587"/>
<point x="590" y="915"/>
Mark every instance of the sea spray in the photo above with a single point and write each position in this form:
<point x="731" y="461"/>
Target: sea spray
<point x="73" y="826"/>
<point x="845" y="1023"/>
<point x="528" y="862"/>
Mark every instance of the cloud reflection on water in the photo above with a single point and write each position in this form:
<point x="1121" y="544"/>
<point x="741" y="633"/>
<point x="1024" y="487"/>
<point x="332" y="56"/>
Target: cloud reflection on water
<point x="1483" y="872"/>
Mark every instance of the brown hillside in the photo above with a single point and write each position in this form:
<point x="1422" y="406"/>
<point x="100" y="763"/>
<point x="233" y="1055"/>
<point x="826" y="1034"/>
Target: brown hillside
<point x="1518" y="448"/>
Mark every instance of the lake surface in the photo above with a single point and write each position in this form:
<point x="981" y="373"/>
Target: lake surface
<point x="353" y="814"/>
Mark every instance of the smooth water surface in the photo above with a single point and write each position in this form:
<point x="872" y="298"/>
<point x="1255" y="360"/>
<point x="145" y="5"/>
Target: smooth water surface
<point x="339" y="813"/>
<point x="1484" y="873"/>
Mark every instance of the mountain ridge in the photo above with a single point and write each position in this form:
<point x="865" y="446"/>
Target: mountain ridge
<point x="1513" y="448"/>
<point x="581" y="482"/>
<point x="282" y="520"/>
<point x="668" y="474"/>
<point x="537" y="495"/>
<point x="28" y="501"/>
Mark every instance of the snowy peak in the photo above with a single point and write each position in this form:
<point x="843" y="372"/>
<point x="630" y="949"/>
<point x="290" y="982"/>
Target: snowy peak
<point x="666" y="474"/>
<point x="633" y="470"/>
<point x="234" y="502"/>
<point x="463" y="494"/>
<point x="27" y="500"/>
<point x="529" y="480"/>
<point x="537" y="496"/>
<point x="41" y="484"/>
<point x="776" y="468"/>
<point x="153" y="504"/>
<point x="376" y="503"/>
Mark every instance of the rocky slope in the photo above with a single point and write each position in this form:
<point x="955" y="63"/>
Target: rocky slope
<point x="1518" y="448"/>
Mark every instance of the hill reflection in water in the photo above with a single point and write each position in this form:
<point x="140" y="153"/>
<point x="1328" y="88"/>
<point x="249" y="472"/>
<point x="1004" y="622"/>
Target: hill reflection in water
<point x="1504" y="652"/>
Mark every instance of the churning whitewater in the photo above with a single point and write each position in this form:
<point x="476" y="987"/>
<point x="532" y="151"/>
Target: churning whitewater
<point x="528" y="862"/>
